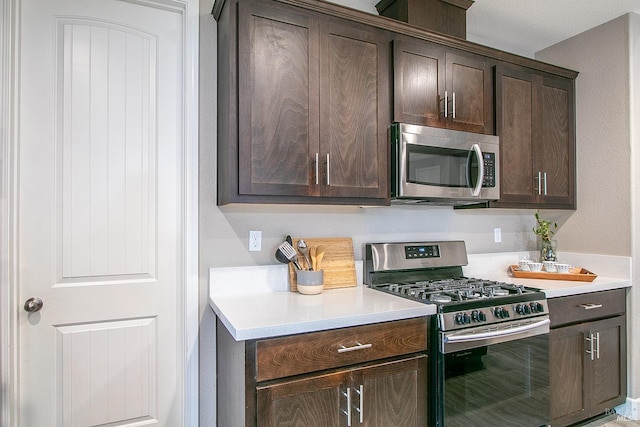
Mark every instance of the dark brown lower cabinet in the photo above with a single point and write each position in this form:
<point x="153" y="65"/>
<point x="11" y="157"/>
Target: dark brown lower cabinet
<point x="372" y="375"/>
<point x="385" y="394"/>
<point x="587" y="360"/>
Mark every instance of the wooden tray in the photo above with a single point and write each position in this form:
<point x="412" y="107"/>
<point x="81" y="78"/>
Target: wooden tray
<point x="578" y="274"/>
<point x="338" y="262"/>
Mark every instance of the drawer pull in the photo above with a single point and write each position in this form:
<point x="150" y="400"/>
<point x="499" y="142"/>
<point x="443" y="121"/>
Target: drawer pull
<point x="347" y="394"/>
<point x="590" y="306"/>
<point x="358" y="346"/>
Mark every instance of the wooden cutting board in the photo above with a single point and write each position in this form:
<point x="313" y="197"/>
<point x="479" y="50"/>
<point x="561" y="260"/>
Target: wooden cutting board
<point x="338" y="262"/>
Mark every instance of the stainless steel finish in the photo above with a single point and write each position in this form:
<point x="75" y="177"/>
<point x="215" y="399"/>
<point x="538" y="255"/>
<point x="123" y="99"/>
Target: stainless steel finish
<point x="358" y="346"/>
<point x="360" y="410"/>
<point x="591" y="351"/>
<point x="539" y="183"/>
<point x="446" y="103"/>
<point x="454" y="105"/>
<point x="391" y="256"/>
<point x="33" y="304"/>
<point x="590" y="306"/>
<point x="348" y="411"/>
<point x="317" y="168"/>
<point x="304" y="250"/>
<point x="447" y="322"/>
<point x="476" y="149"/>
<point x="291" y="254"/>
<point x="545" y="183"/>
<point x="597" y="345"/>
<point x="328" y="170"/>
<point x="493" y="334"/>
<point x="409" y="192"/>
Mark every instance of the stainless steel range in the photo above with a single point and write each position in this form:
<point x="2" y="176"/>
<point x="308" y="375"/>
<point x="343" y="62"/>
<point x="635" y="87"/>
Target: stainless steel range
<point x="488" y="340"/>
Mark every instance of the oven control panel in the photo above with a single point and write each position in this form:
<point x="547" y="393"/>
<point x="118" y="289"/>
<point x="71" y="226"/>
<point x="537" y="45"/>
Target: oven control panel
<point x="421" y="251"/>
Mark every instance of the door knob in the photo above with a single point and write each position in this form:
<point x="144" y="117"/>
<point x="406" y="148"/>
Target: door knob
<point x="33" y="304"/>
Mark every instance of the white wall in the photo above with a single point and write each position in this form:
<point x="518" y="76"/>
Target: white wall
<point x="224" y="231"/>
<point x="608" y="100"/>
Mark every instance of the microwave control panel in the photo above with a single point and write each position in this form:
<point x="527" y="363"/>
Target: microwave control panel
<point x="489" y="170"/>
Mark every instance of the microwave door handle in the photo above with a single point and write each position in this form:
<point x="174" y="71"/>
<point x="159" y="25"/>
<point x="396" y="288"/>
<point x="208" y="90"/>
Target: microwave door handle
<point x="476" y="190"/>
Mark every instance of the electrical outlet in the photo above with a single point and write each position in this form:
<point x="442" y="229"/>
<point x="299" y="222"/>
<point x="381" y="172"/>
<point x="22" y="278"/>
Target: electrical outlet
<point x="497" y="235"/>
<point x="255" y="241"/>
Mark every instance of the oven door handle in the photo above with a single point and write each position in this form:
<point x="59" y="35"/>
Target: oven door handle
<point x="496" y="334"/>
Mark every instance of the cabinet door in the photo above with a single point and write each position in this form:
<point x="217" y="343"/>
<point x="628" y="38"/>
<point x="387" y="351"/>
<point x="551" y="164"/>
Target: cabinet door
<point x="608" y="381"/>
<point x="278" y="106"/>
<point x="535" y="122"/>
<point x="555" y="143"/>
<point x="354" y="105"/>
<point x="470" y="84"/>
<point x="394" y="394"/>
<point x="567" y="369"/>
<point x="514" y="121"/>
<point x="318" y="401"/>
<point x="419" y="83"/>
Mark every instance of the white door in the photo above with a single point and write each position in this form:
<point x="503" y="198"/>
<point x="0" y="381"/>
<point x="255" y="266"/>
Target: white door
<point x="100" y="215"/>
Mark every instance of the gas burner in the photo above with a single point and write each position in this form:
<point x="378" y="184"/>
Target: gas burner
<point x="440" y="298"/>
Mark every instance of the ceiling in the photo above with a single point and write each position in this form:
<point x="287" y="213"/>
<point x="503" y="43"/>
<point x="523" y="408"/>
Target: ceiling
<point x="527" y="26"/>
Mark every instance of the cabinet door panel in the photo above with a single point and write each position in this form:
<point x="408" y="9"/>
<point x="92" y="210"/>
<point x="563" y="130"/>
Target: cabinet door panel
<point x="516" y="136"/>
<point x="608" y="382"/>
<point x="353" y="121"/>
<point x="277" y="105"/>
<point x="555" y="149"/>
<point x="311" y="402"/>
<point x="419" y="81"/>
<point x="567" y="369"/>
<point x="470" y="79"/>
<point x="394" y="394"/>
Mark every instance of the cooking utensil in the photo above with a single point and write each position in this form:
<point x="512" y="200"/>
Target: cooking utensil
<point x="304" y="250"/>
<point x="312" y="254"/>
<point x="281" y="257"/>
<point x="319" y="256"/>
<point x="290" y="253"/>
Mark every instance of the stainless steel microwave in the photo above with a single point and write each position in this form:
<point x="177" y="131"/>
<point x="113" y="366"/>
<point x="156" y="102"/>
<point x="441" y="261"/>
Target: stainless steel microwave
<point x="442" y="166"/>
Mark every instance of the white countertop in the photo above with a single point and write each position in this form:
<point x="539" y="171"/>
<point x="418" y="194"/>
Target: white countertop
<point x="254" y="302"/>
<point x="613" y="272"/>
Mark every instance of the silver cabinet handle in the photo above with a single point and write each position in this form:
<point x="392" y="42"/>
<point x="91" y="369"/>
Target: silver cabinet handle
<point x="590" y="306"/>
<point x="33" y="304"/>
<point x="597" y="345"/>
<point x="348" y="411"/>
<point x="539" y="183"/>
<point x="328" y="169"/>
<point x="454" y="105"/>
<point x="361" y="408"/>
<point x="545" y="183"/>
<point x="358" y="346"/>
<point x="317" y="168"/>
<point x="446" y="104"/>
<point x="591" y="340"/>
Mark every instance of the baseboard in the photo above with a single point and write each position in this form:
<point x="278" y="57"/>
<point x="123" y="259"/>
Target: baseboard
<point x="630" y="409"/>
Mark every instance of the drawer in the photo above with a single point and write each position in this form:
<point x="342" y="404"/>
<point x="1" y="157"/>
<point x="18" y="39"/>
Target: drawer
<point x="585" y="307"/>
<point x="316" y="351"/>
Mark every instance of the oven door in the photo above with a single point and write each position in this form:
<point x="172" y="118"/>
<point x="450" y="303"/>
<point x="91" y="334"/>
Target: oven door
<point x="495" y="376"/>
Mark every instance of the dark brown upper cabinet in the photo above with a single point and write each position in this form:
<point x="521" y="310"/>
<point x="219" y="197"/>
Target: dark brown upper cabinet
<point x="442" y="87"/>
<point x="313" y="109"/>
<point x="535" y="120"/>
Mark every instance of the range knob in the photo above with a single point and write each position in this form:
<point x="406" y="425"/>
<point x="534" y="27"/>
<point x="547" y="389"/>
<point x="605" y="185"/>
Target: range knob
<point x="523" y="309"/>
<point x="501" y="312"/>
<point x="478" y="316"/>
<point x="537" y="307"/>
<point x="462" y="318"/>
